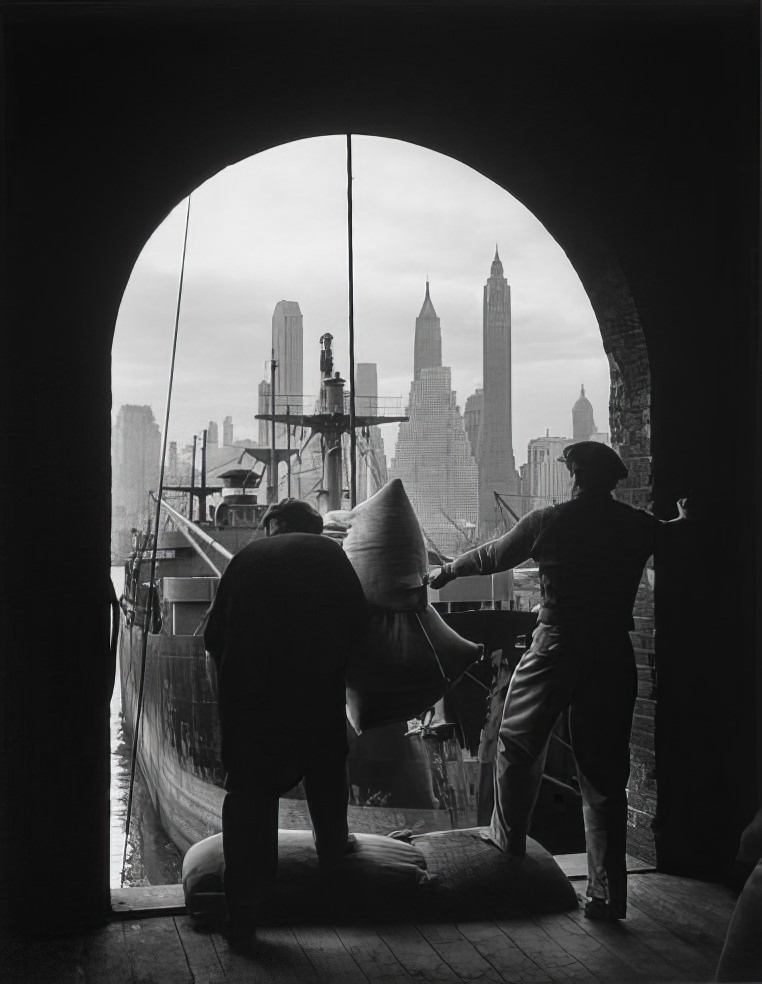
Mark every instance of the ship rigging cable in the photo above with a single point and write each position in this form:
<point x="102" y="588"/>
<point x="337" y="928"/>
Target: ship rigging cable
<point x="152" y="577"/>
<point x="351" y="274"/>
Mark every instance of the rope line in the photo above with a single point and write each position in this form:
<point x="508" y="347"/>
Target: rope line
<point x="152" y="577"/>
<point x="350" y="260"/>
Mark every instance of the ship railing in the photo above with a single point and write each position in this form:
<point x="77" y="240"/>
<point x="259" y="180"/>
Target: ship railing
<point x="190" y="531"/>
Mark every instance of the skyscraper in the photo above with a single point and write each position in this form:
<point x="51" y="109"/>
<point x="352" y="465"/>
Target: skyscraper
<point x="432" y="454"/>
<point x="497" y="466"/>
<point x="135" y="462"/>
<point x="583" y="424"/>
<point x="472" y="418"/>
<point x="547" y="478"/>
<point x="263" y="406"/>
<point x="427" y="352"/>
<point x="288" y="347"/>
<point x="371" y="459"/>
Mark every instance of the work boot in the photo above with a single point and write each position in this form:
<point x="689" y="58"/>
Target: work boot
<point x="241" y="929"/>
<point x="600" y="910"/>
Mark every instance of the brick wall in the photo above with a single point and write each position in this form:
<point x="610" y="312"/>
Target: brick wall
<point x="630" y="426"/>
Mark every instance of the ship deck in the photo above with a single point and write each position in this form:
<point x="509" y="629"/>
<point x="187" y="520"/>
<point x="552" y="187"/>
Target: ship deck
<point x="674" y="932"/>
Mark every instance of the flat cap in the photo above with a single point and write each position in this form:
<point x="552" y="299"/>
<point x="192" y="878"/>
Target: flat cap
<point x="595" y="459"/>
<point x="299" y="516"/>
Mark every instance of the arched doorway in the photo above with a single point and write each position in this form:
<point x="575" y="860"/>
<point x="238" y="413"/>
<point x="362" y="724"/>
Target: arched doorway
<point x="237" y="270"/>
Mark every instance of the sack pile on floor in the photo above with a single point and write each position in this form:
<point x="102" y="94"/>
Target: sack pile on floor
<point x="410" y="657"/>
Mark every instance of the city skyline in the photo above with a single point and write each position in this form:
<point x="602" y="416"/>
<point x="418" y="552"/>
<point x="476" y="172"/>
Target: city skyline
<point x="272" y="228"/>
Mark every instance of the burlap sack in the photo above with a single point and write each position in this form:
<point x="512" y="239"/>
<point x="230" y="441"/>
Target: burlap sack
<point x="385" y="546"/>
<point x="409" y="661"/>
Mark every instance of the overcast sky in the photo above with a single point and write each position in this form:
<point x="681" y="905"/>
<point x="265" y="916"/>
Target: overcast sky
<point x="273" y="228"/>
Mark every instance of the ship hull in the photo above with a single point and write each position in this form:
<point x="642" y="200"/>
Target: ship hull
<point x="422" y="781"/>
<point x="178" y="753"/>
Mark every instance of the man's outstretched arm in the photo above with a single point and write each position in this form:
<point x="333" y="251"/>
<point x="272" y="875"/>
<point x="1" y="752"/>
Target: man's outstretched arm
<point x="513" y="548"/>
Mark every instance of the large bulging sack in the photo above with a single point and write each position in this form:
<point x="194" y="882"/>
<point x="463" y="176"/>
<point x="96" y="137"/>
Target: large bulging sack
<point x="385" y="546"/>
<point x="409" y="660"/>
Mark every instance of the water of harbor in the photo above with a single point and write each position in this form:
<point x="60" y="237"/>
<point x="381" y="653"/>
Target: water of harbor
<point x="150" y="858"/>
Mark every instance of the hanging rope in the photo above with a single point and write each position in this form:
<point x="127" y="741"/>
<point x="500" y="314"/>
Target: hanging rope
<point x="152" y="577"/>
<point x="350" y="254"/>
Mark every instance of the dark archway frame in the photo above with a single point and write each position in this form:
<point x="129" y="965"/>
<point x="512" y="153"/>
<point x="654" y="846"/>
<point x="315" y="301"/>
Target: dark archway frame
<point x="113" y="113"/>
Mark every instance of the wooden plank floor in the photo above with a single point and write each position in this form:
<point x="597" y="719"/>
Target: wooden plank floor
<point x="674" y="932"/>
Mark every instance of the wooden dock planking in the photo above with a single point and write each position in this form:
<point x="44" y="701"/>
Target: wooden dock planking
<point x="532" y="939"/>
<point x="200" y="952"/>
<point x="60" y="960"/>
<point x="690" y="960"/>
<point x="372" y="955"/>
<point x="459" y="953"/>
<point x="155" y="953"/>
<point x="508" y="959"/>
<point x="632" y="942"/>
<point x="106" y="957"/>
<point x="707" y="907"/>
<point x="674" y="932"/>
<point x="691" y="921"/>
<point x="237" y="967"/>
<point x="416" y="955"/>
<point x="331" y="960"/>
<point x="590" y="949"/>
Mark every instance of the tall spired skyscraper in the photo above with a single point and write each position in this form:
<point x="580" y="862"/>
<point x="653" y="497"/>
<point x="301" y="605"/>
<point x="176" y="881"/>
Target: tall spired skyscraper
<point x="497" y="465"/>
<point x="432" y="455"/>
<point x="427" y="352"/>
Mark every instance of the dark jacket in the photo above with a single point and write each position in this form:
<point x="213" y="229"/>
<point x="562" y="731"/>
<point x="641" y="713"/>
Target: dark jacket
<point x="590" y="551"/>
<point x="287" y="612"/>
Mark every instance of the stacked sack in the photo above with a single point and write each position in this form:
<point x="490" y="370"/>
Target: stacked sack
<point x="411" y="657"/>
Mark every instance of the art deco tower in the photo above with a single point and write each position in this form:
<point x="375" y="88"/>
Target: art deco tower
<point x="432" y="454"/>
<point x="497" y="466"/>
<point x="427" y="351"/>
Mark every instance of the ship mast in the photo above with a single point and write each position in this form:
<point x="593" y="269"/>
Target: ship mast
<point x="330" y="422"/>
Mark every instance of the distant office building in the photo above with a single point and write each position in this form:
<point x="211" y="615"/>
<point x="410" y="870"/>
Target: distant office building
<point x="173" y="465"/>
<point x="546" y="478"/>
<point x="264" y="433"/>
<point x="135" y="467"/>
<point x="432" y="454"/>
<point x="472" y="418"/>
<point x="227" y="432"/>
<point x="366" y="388"/>
<point x="288" y="347"/>
<point x="583" y="422"/>
<point x="212" y="433"/>
<point x="371" y="458"/>
<point x="494" y="454"/>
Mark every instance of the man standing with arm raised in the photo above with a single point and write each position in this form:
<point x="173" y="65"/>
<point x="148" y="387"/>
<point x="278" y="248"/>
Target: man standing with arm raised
<point x="591" y="552"/>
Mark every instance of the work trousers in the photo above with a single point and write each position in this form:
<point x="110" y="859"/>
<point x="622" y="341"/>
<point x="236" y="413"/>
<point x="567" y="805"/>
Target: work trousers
<point x="250" y="813"/>
<point x="592" y="672"/>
